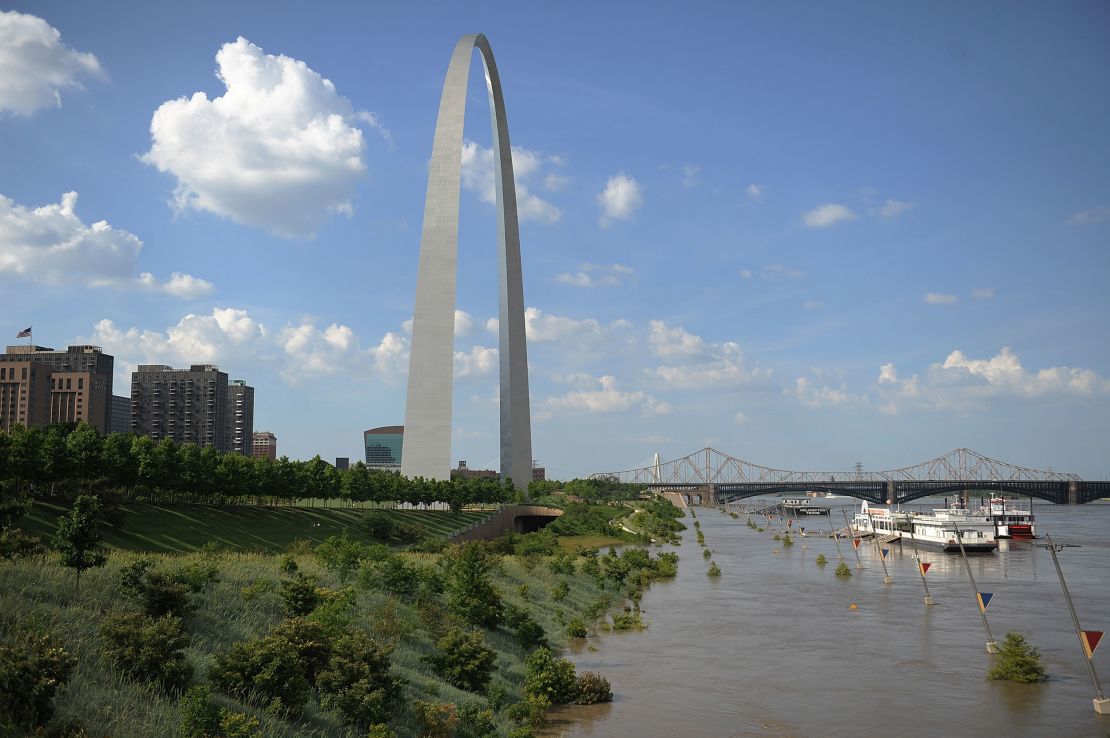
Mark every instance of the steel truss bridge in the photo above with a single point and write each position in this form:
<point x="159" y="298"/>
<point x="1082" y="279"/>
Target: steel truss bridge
<point x="718" y="478"/>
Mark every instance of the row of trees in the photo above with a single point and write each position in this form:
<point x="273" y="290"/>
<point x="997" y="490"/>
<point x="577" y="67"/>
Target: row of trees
<point x="74" y="458"/>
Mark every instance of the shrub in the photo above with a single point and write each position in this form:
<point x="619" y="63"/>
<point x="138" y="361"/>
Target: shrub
<point x="336" y="612"/>
<point x="196" y="575"/>
<point x="161" y="595"/>
<point x="299" y="596"/>
<point x="560" y="590"/>
<point x="202" y="718"/>
<point x="436" y="719"/>
<point x="842" y="570"/>
<point x="463" y="660"/>
<point x="576" y="628"/>
<point x="341" y="555"/>
<point x="778" y="537"/>
<point x="148" y="649"/>
<point x="627" y="621"/>
<point x="706" y="554"/>
<point x="714" y="570"/>
<point x="548" y="676"/>
<point x="392" y="574"/>
<point x="475" y="722"/>
<point x="32" y="669"/>
<point x="529" y="633"/>
<point x="381" y="731"/>
<point x="821" y="560"/>
<point x="787" y="540"/>
<point x="531" y="710"/>
<point x="562" y="564"/>
<point x="357" y="682"/>
<point x="288" y="565"/>
<point x="592" y="688"/>
<point x="259" y="586"/>
<point x="1018" y="661"/>
<point x="278" y="669"/>
<point x="470" y="593"/>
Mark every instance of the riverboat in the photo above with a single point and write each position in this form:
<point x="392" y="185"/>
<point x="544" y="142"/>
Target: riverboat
<point x="1010" y="521"/>
<point x="802" y="506"/>
<point x="939" y="530"/>
<point x="931" y="530"/>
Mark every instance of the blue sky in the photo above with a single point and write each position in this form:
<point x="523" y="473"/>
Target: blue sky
<point x="804" y="234"/>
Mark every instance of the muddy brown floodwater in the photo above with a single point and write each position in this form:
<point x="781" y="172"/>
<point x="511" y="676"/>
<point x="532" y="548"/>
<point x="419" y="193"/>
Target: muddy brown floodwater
<point x="772" y="647"/>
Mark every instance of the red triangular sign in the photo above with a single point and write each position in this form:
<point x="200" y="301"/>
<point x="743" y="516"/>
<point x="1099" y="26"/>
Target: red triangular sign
<point x="925" y="566"/>
<point x="856" y="542"/>
<point x="1091" y="639"/>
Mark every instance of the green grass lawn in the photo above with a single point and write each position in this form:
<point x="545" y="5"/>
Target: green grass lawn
<point x="164" y="528"/>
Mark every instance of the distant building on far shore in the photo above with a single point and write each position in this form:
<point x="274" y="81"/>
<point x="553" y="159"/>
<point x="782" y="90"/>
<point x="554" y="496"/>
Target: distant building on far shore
<point x="240" y="417"/>
<point x="343" y="463"/>
<point x="120" y="421"/>
<point x="462" y="471"/>
<point x="264" y="445"/>
<point x="384" y="446"/>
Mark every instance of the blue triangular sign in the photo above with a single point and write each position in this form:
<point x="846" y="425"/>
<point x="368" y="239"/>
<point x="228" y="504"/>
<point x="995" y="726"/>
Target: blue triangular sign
<point x="886" y="552"/>
<point x="984" y="600"/>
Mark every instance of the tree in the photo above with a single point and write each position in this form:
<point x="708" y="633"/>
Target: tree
<point x="83" y="449"/>
<point x="464" y="660"/>
<point x="549" y="677"/>
<point x="357" y="682"/>
<point x="1018" y="661"/>
<point x="78" y="536"/>
<point x="472" y="594"/>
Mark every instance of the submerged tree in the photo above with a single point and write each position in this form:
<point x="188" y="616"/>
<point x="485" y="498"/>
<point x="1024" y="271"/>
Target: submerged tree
<point x="1018" y="661"/>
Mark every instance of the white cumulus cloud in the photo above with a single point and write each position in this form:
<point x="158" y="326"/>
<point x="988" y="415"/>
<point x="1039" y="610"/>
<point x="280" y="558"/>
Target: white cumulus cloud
<point x="50" y="244"/>
<point x="601" y="395"/>
<point x="478" y="175"/>
<point x="697" y="363"/>
<point x="825" y="216"/>
<point x="620" y="199"/>
<point x="937" y="298"/>
<point x="595" y="275"/>
<point x="754" y="192"/>
<point x="35" y="66"/>
<point x="982" y="293"/>
<point x="279" y="150"/>
<point x="891" y="208"/>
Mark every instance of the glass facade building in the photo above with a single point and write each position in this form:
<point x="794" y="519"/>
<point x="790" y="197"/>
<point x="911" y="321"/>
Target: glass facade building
<point x="383" y="446"/>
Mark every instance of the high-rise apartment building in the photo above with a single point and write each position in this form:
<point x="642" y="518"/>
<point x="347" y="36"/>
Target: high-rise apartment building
<point x="240" y="417"/>
<point x="264" y="445"/>
<point x="24" y="394"/>
<point x="185" y="405"/>
<point x="79" y="379"/>
<point x="120" y="422"/>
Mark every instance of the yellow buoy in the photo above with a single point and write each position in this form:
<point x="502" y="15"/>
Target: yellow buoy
<point x="852" y="606"/>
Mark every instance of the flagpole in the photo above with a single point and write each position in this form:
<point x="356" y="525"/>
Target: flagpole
<point x="1102" y="705"/>
<point x="917" y="555"/>
<point x="992" y="646"/>
<point x="859" y="562"/>
<point x="879" y="548"/>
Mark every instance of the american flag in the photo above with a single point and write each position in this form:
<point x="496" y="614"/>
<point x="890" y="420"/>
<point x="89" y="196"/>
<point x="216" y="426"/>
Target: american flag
<point x="25" y="333"/>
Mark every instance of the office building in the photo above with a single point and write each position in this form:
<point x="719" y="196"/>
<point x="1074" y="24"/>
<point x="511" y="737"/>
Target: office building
<point x="187" y="405"/>
<point x="240" y="417"/>
<point x="264" y="445"/>
<point x="80" y="380"/>
<point x="462" y="471"/>
<point x="342" y="463"/>
<point x="384" y="446"/>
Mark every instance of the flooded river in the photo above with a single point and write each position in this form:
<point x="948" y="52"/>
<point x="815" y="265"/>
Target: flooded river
<point x="773" y="648"/>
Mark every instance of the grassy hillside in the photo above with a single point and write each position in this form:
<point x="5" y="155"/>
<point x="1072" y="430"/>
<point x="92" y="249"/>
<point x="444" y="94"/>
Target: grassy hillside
<point x="165" y="528"/>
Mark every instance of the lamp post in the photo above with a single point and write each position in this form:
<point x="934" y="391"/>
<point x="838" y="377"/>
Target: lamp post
<point x="992" y="645"/>
<point x="1102" y="705"/>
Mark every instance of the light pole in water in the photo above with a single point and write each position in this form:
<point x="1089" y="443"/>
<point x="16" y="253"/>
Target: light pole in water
<point x="1102" y="705"/>
<point x="982" y="599"/>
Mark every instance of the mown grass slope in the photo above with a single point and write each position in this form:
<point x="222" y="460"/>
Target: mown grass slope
<point x="182" y="528"/>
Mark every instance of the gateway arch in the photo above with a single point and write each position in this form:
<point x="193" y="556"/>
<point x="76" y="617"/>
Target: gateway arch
<point x="427" y="444"/>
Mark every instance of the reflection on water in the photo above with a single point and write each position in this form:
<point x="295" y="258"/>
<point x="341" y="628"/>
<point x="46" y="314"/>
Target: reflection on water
<point x="773" y="649"/>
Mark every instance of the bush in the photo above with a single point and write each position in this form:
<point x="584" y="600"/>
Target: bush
<point x="821" y="560"/>
<point x="1018" y="661"/>
<point x="842" y="570"/>
<point x="706" y="554"/>
<point x="357" y="682"/>
<point x="196" y="575"/>
<point x="627" y="621"/>
<point x="202" y="718"/>
<point x="288" y="565"/>
<point x="529" y="633"/>
<point x="549" y="677"/>
<point x="32" y="669"/>
<point x="299" y="596"/>
<point x="392" y="574"/>
<point x="714" y="570"/>
<point x="560" y="590"/>
<point x="341" y="555"/>
<point x="471" y="594"/>
<point x="148" y="649"/>
<point x="475" y="722"/>
<point x="531" y="710"/>
<point x="436" y="719"/>
<point x="463" y="660"/>
<point x="576" y="628"/>
<point x="278" y="669"/>
<point x="592" y="688"/>
<point x="787" y="541"/>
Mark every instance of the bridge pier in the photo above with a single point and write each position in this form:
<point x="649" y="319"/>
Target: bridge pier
<point x="1073" y="493"/>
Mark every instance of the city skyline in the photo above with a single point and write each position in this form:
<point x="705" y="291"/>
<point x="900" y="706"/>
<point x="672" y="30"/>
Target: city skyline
<point x="806" y="238"/>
